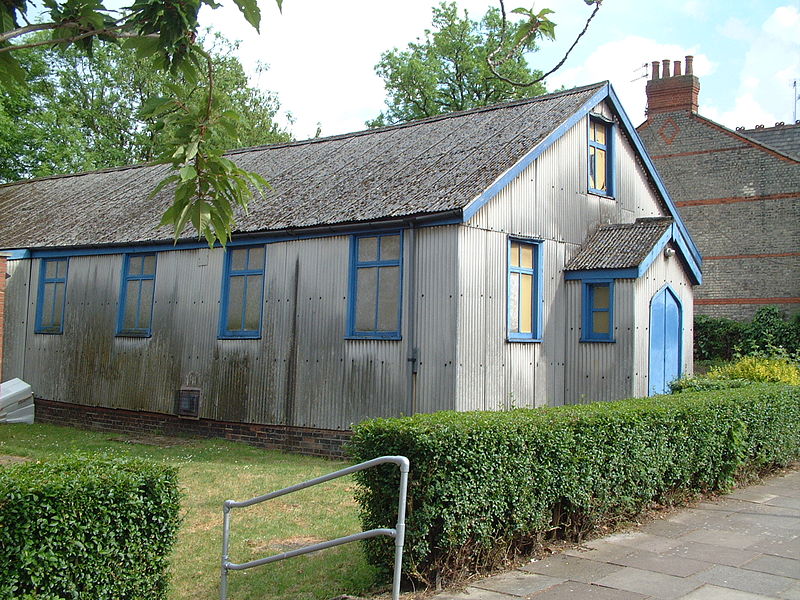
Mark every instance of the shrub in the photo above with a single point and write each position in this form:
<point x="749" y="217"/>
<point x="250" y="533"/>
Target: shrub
<point x="756" y="368"/>
<point x="87" y="528"/>
<point x="484" y="485"/>
<point x="705" y="384"/>
<point x="716" y="337"/>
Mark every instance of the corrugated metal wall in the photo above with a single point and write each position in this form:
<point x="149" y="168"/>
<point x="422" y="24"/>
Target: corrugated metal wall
<point x="596" y="370"/>
<point x="16" y="318"/>
<point x="547" y="201"/>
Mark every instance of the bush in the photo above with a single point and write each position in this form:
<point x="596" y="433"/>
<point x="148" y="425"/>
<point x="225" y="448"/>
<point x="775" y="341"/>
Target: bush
<point x="705" y="384"/>
<point x="757" y="368"/>
<point x="87" y="528"/>
<point x="485" y="486"/>
<point x="768" y="331"/>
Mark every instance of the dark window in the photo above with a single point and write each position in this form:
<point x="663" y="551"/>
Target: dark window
<point x="598" y="311"/>
<point x="376" y="274"/>
<point x="136" y="298"/>
<point x="52" y="296"/>
<point x="242" y="293"/>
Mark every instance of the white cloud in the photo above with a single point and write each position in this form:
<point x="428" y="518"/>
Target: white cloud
<point x="763" y="94"/>
<point x="624" y="62"/>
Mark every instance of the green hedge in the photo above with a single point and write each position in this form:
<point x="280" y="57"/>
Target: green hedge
<point x="769" y="330"/>
<point x="485" y="485"/>
<point x="79" y="528"/>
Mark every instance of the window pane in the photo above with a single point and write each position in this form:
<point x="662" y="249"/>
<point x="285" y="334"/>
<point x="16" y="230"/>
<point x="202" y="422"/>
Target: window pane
<point x="58" y="305"/>
<point x="50" y="268"/>
<point x="135" y="265"/>
<point x="367" y="249"/>
<point x="235" y="299"/>
<point x="252" y="315"/>
<point x="256" y="258"/>
<point x="513" y="302"/>
<point x="592" y="167"/>
<point x="145" y="310"/>
<point x="149" y="267"/>
<point x="388" y="298"/>
<point x="600" y="169"/>
<point x="366" y="292"/>
<point x="600" y="296"/>
<point x="526" y="256"/>
<point x="131" y="303"/>
<point x="238" y="259"/>
<point x="390" y="247"/>
<point x="514" y="254"/>
<point x="526" y="304"/>
<point x="599" y="132"/>
<point x="48" y="302"/>
<point x="600" y="322"/>
<point x="61" y="269"/>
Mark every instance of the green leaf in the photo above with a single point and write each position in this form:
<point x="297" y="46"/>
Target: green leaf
<point x="251" y="12"/>
<point x="188" y="172"/>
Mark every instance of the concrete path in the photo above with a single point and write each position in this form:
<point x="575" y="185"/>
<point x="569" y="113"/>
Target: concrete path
<point x="744" y="546"/>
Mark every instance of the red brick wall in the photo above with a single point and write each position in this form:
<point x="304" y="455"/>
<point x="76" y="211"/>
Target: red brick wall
<point x="300" y="440"/>
<point x="2" y="308"/>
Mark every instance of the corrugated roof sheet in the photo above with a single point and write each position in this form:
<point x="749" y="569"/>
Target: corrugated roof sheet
<point x="783" y="138"/>
<point x="424" y="167"/>
<point x="620" y="246"/>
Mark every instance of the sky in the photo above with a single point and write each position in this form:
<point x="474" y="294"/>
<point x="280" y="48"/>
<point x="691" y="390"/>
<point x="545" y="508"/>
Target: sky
<point x="322" y="53"/>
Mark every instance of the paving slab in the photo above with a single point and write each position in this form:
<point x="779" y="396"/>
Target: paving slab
<point x="713" y="592"/>
<point x="744" y="580"/>
<point x="655" y="585"/>
<point x="473" y="593"/>
<point x="720" y="537"/>
<point x="574" y="590"/>
<point x="793" y="593"/>
<point x="518" y="583"/>
<point x="639" y="540"/>
<point x="572" y="568"/>
<point x="774" y="565"/>
<point x="786" y="547"/>
<point x="659" y="563"/>
<point x="719" y="555"/>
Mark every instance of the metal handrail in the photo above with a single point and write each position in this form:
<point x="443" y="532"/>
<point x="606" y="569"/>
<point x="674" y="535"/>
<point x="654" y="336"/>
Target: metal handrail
<point x="398" y="533"/>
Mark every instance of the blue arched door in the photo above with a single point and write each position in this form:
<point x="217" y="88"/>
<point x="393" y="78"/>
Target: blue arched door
<point x="666" y="329"/>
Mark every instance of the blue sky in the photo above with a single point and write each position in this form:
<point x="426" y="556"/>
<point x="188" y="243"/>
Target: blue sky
<point x="322" y="53"/>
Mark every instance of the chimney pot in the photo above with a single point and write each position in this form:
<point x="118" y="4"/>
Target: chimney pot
<point x="689" y="60"/>
<point x="676" y="68"/>
<point x="665" y="68"/>
<point x="656" y="67"/>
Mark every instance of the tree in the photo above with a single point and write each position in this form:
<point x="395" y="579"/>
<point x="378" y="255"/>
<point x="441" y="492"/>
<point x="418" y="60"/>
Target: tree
<point x="81" y="112"/>
<point x="449" y="70"/>
<point x="206" y="186"/>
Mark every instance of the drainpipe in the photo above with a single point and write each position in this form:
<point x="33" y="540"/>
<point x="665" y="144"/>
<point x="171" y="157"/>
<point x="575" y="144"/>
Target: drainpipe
<point x="413" y="352"/>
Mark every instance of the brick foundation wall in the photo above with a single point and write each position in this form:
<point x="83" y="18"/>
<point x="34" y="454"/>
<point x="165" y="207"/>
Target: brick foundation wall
<point x="299" y="440"/>
<point x="2" y="308"/>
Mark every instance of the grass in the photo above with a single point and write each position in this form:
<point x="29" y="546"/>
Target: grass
<point x="212" y="471"/>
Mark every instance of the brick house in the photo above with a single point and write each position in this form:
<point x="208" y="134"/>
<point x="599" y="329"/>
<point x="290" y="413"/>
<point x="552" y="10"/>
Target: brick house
<point x="737" y="191"/>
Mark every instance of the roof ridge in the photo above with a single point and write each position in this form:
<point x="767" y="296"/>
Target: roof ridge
<point x="341" y="136"/>
<point x="738" y="135"/>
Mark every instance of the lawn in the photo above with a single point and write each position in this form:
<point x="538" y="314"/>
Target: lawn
<point x="212" y="471"/>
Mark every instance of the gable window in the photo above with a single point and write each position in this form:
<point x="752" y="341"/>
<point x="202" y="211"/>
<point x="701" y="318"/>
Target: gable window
<point x="51" y="296"/>
<point x="601" y="173"/>
<point x="136" y="298"/>
<point x="242" y="293"/>
<point x="375" y="286"/>
<point x="524" y="290"/>
<point x="598" y="311"/>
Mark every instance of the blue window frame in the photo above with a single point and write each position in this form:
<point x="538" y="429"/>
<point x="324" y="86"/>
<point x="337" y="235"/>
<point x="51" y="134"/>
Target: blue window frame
<point x="51" y="298"/>
<point x="524" y="300"/>
<point x="598" y="311"/>
<point x="601" y="163"/>
<point x="135" y="316"/>
<point x="242" y="293"/>
<point x="376" y="277"/>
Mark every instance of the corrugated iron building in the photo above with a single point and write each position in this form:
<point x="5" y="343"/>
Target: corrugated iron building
<point x="469" y="261"/>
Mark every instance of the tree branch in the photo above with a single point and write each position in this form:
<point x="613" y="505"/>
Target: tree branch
<point x="115" y="32"/>
<point x="493" y="66"/>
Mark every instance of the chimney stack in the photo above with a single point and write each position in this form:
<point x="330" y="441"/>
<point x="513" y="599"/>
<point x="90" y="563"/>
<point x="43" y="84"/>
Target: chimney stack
<point x="672" y="93"/>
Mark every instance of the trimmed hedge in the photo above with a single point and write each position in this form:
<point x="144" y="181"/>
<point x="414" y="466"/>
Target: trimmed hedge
<point x="769" y="330"/>
<point x="87" y="528"/>
<point x="485" y="485"/>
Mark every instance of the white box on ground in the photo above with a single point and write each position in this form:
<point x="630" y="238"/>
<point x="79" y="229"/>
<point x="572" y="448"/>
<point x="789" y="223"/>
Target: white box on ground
<point x="16" y="402"/>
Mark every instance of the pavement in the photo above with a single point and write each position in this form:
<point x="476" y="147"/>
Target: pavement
<point x="742" y="546"/>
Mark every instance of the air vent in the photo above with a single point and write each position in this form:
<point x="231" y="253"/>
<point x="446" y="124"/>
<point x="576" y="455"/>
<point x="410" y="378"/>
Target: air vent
<point x="187" y="403"/>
